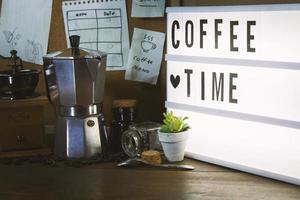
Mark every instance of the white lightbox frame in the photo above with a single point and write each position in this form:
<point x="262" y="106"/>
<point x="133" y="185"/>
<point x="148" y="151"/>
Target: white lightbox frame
<point x="256" y="127"/>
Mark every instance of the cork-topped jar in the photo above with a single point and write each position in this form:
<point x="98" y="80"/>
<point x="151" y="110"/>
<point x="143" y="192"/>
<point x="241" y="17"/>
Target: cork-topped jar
<point x="123" y="116"/>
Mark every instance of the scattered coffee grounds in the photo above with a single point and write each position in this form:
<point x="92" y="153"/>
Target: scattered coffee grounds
<point x="53" y="161"/>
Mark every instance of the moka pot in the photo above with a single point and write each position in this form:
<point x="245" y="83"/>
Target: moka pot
<point x="75" y="80"/>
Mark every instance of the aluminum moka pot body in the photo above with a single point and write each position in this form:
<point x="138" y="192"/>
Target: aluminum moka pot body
<point x="80" y="82"/>
<point x="75" y="80"/>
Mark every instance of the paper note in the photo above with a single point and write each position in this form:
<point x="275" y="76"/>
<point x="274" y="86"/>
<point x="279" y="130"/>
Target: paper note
<point x="148" y="8"/>
<point x="145" y="56"/>
<point x="101" y="25"/>
<point x="25" y="27"/>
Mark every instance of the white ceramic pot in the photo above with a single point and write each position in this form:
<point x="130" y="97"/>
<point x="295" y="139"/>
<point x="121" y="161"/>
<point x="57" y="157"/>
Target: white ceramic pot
<point x="173" y="145"/>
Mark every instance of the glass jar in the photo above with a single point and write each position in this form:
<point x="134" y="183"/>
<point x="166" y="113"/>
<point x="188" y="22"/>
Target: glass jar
<point x="140" y="137"/>
<point x="123" y="116"/>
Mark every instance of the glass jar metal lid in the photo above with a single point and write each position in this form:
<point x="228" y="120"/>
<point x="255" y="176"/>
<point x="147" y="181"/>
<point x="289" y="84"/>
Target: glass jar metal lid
<point x="139" y="137"/>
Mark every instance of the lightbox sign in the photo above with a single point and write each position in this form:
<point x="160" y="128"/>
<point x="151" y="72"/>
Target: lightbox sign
<point x="235" y="72"/>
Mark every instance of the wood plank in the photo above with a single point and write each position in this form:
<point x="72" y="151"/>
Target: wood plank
<point x="26" y="153"/>
<point x="37" y="101"/>
<point x="106" y="181"/>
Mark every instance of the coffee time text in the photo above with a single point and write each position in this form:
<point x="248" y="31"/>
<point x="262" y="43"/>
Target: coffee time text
<point x="218" y="80"/>
<point x="190" y="32"/>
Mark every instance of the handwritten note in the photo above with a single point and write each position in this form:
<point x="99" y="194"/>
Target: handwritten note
<point x="148" y="8"/>
<point x="145" y="56"/>
<point x="101" y="25"/>
<point x="25" y="27"/>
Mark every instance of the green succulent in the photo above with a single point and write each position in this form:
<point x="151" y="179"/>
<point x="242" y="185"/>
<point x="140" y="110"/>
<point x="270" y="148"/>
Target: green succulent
<point x="173" y="124"/>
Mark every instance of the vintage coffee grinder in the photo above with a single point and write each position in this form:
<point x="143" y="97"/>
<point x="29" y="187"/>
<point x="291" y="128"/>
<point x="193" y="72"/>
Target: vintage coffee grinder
<point x="21" y="108"/>
<point x="75" y="78"/>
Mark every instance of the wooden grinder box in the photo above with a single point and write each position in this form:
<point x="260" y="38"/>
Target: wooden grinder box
<point x="21" y="124"/>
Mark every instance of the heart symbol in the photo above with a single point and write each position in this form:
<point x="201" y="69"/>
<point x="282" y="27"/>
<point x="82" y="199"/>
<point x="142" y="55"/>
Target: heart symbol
<point x="175" y="80"/>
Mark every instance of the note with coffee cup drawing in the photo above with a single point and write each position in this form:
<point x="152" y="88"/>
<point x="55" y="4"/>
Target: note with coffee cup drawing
<point x="145" y="56"/>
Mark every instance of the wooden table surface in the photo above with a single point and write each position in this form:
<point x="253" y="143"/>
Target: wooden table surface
<point x="106" y="181"/>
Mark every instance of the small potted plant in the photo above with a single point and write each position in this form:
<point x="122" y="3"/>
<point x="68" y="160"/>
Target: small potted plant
<point x="173" y="135"/>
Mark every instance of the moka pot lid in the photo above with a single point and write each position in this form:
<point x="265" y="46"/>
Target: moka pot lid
<point x="75" y="52"/>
